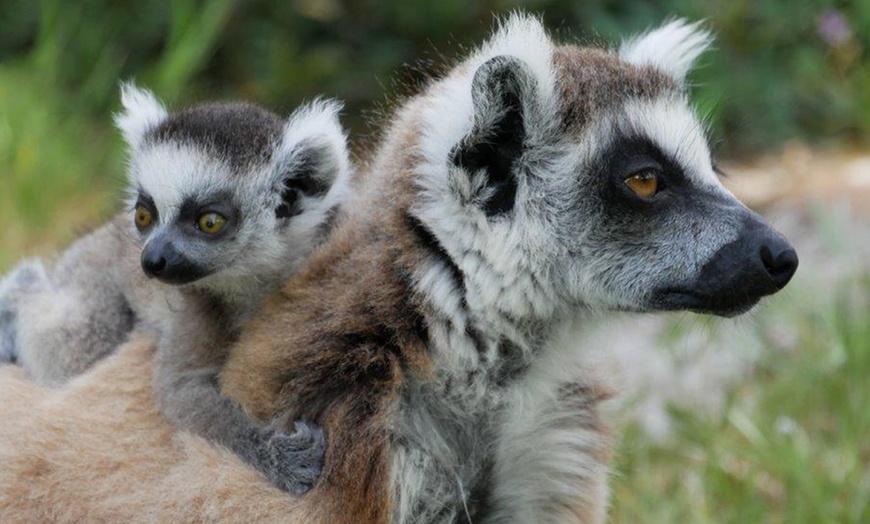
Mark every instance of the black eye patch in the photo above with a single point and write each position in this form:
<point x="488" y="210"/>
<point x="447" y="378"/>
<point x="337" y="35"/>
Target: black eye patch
<point x="194" y="207"/>
<point x="632" y="154"/>
<point x="628" y="156"/>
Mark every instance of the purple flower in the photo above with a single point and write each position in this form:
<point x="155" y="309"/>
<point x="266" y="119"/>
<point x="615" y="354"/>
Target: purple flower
<point x="834" y="28"/>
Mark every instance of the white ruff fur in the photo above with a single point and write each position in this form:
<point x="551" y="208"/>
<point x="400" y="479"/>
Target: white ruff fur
<point x="547" y="466"/>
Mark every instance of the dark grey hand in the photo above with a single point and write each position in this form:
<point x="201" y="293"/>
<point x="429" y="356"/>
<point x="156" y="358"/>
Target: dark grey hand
<point x="294" y="460"/>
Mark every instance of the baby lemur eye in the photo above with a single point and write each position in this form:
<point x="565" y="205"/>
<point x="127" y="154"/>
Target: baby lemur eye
<point x="144" y="219"/>
<point x="211" y="223"/>
<point x="645" y="184"/>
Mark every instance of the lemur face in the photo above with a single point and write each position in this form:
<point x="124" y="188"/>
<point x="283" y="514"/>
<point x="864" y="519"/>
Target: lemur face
<point x="228" y="192"/>
<point x="193" y="229"/>
<point x="583" y="176"/>
<point x="660" y="230"/>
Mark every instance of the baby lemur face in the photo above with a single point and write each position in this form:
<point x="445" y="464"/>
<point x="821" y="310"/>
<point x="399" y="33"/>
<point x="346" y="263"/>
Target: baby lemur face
<point x="222" y="193"/>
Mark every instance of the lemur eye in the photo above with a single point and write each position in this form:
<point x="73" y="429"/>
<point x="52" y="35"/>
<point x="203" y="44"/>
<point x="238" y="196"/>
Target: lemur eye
<point x="211" y="223"/>
<point x="645" y="184"/>
<point x="143" y="218"/>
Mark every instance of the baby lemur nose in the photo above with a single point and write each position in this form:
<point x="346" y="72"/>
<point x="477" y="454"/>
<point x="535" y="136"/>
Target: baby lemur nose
<point x="153" y="263"/>
<point x="165" y="262"/>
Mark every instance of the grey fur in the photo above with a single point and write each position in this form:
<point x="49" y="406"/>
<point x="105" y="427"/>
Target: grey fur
<point x="236" y="158"/>
<point x="192" y="353"/>
<point x="59" y="322"/>
<point x="243" y="133"/>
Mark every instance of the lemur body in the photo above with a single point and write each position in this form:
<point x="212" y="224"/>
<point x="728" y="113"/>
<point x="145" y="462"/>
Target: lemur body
<point x="228" y="201"/>
<point x="433" y="336"/>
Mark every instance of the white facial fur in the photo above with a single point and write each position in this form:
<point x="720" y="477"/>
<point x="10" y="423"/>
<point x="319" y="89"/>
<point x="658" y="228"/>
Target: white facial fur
<point x="521" y="171"/>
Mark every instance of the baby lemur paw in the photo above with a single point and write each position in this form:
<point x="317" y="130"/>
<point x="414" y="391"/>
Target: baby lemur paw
<point x="296" y="459"/>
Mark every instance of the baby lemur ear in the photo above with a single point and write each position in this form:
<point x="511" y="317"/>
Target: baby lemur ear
<point x="502" y="91"/>
<point x="672" y="48"/>
<point x="140" y="112"/>
<point x="310" y="157"/>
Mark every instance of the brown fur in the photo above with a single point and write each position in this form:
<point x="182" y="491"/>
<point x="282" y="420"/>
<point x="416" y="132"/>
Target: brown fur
<point x="363" y="335"/>
<point x="338" y="342"/>
<point x="592" y="80"/>
<point x="98" y="450"/>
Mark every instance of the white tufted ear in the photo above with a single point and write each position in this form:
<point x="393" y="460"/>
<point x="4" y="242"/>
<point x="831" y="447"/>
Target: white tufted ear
<point x="141" y="111"/>
<point x="673" y="47"/>
<point x="312" y="157"/>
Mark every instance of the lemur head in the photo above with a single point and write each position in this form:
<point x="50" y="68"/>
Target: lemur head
<point x="556" y="175"/>
<point x="221" y="193"/>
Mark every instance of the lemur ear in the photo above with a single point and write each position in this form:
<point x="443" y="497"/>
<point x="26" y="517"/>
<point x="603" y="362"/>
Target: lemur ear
<point x="501" y="90"/>
<point x="141" y="112"/>
<point x="310" y="157"/>
<point x="673" y="47"/>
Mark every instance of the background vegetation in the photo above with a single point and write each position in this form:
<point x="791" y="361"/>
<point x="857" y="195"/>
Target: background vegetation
<point x="791" y="445"/>
<point x="780" y="71"/>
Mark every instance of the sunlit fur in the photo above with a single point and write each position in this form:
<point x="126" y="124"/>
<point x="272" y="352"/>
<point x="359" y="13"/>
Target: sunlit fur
<point x="280" y="184"/>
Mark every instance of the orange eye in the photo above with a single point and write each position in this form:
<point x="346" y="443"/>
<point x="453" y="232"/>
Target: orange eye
<point x="645" y="184"/>
<point x="211" y="223"/>
<point x="143" y="218"/>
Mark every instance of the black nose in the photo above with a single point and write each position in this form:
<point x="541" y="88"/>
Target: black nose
<point x="163" y="261"/>
<point x="759" y="262"/>
<point x="153" y="263"/>
<point x="780" y="260"/>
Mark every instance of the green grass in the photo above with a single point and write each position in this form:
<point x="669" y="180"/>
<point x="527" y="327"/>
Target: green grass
<point x="60" y="171"/>
<point x="792" y="446"/>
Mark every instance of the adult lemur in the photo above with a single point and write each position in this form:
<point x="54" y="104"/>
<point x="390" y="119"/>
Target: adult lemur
<point x="227" y="201"/>
<point x="433" y="336"/>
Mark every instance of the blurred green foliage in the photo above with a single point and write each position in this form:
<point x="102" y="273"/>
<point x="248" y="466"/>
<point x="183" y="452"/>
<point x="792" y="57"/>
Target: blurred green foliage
<point x="780" y="69"/>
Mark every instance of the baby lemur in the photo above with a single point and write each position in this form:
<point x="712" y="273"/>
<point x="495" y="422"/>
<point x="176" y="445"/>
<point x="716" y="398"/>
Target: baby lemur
<point x="226" y="201"/>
